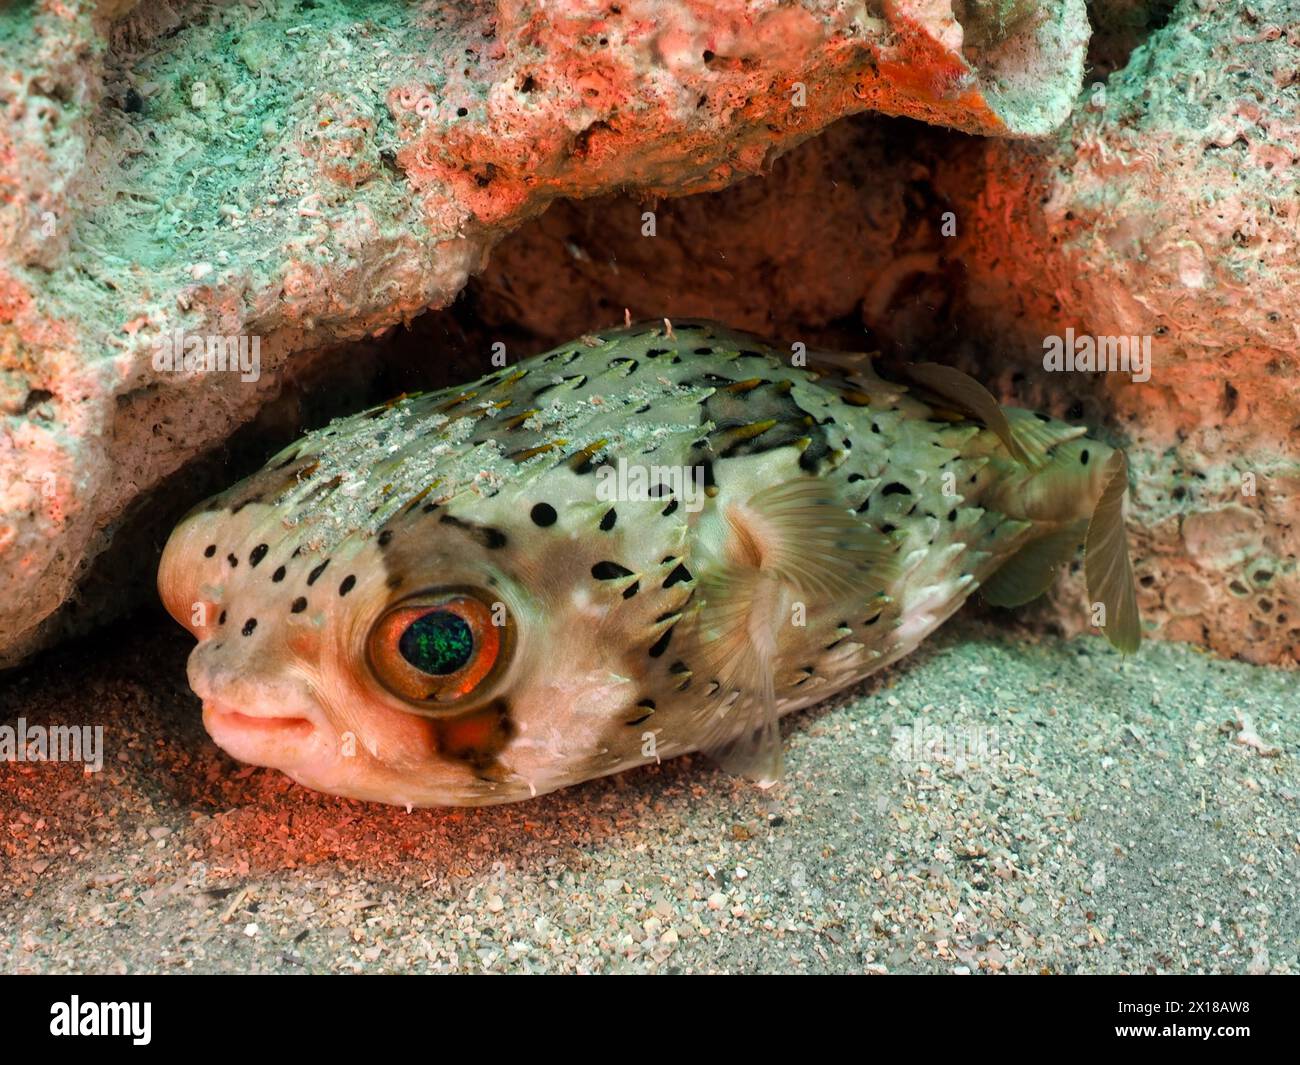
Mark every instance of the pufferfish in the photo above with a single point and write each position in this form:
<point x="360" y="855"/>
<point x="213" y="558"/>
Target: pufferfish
<point x="644" y="543"/>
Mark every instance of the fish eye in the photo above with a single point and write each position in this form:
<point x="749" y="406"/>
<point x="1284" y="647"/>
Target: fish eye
<point x="440" y="648"/>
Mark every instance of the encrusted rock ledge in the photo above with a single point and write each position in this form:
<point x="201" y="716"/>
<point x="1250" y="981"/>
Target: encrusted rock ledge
<point x="296" y="175"/>
<point x="1167" y="208"/>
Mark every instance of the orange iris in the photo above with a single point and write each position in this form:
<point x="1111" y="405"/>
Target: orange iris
<point x="438" y="649"/>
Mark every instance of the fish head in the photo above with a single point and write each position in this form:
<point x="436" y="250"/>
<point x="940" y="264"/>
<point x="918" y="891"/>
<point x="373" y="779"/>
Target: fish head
<point x="474" y="650"/>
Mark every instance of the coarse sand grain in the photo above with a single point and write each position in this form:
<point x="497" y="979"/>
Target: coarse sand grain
<point x="995" y="803"/>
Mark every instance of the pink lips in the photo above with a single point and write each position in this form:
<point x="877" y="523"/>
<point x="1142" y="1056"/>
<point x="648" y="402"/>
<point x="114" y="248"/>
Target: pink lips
<point x="266" y="739"/>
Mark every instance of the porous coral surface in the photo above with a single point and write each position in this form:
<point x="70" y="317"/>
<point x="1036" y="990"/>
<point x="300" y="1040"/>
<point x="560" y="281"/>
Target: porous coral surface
<point x="299" y="174"/>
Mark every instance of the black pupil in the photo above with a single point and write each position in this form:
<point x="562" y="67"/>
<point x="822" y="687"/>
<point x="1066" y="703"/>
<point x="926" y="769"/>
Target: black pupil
<point x="440" y="642"/>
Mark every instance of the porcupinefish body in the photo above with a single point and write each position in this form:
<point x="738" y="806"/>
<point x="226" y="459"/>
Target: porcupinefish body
<point x="649" y="542"/>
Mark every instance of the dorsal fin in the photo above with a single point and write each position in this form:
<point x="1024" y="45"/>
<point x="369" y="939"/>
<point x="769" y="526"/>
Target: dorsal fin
<point x="789" y="542"/>
<point x="1026" y="443"/>
<point x="1107" y="567"/>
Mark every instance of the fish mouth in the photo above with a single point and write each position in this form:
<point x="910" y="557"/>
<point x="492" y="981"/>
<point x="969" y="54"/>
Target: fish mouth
<point x="267" y="739"/>
<point x="298" y="726"/>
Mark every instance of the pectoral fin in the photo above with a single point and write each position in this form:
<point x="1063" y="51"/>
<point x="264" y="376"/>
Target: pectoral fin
<point x="1031" y="570"/>
<point x="791" y="545"/>
<point x="811" y="541"/>
<point x="741" y="623"/>
<point x="1107" y="566"/>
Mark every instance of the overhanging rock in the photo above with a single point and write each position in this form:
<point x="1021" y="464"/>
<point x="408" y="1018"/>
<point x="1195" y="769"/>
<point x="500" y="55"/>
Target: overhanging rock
<point x="293" y="177"/>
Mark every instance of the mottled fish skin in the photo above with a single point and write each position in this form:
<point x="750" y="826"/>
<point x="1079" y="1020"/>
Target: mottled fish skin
<point x="293" y="567"/>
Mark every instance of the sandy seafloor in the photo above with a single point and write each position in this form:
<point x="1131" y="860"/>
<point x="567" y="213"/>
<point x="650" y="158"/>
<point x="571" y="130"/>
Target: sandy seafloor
<point x="1108" y="818"/>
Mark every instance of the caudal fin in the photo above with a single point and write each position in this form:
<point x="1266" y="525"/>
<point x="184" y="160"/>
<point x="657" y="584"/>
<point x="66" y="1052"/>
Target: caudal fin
<point x="1107" y="567"/>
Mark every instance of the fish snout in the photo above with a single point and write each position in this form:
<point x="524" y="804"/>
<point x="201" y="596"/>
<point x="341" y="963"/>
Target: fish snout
<point x="278" y="726"/>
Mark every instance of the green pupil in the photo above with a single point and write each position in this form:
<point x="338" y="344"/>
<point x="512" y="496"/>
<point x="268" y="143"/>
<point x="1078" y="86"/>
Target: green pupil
<point x="438" y="643"/>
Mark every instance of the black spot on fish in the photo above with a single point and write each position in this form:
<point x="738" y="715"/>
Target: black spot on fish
<point x="489" y="537"/>
<point x="1041" y="416"/>
<point x="952" y="514"/>
<point x="895" y="488"/>
<point x="278" y="575"/>
<point x="232" y="560"/>
<point x="658" y="490"/>
<point x="875" y="428"/>
<point x="210" y="550"/>
<point x="703" y="351"/>
<point x="1083" y="456"/>
<point x="348" y="583"/>
<point x="543" y="514"/>
<point x="311" y="577"/>
<point x="257" y="554"/>
<point x="385" y="538"/>
<point x="887" y="528"/>
<point x="299" y="605"/>
<point x="648" y="705"/>
<point x="669" y="508"/>
<point x="677" y="576"/>
<point x="642" y="410"/>
<point x="609" y="571"/>
<point x="661" y="645"/>
<point x="631" y="589"/>
<point x="222" y="620"/>
<point x="607" y="522"/>
<point x="654" y="353"/>
<point x="854" y="478"/>
<point x="429" y="508"/>
<point x="249" y="626"/>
